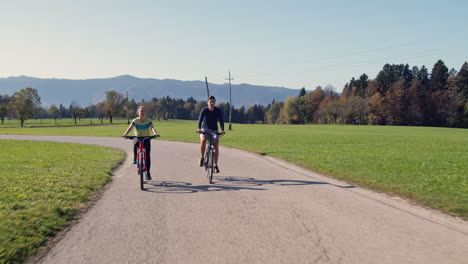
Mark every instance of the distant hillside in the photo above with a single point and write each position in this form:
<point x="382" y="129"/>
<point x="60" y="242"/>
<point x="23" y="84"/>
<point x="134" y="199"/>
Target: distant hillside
<point x="90" y="91"/>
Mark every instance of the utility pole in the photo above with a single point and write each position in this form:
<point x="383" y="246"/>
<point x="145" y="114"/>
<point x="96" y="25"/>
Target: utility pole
<point x="207" y="90"/>
<point x="128" y="104"/>
<point x="230" y="100"/>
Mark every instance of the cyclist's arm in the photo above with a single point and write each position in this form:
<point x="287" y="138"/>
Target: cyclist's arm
<point x="128" y="129"/>
<point x="153" y="130"/>
<point x="221" y="120"/>
<point x="200" y="119"/>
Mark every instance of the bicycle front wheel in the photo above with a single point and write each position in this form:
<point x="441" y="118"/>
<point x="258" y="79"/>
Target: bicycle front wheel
<point x="141" y="166"/>
<point x="209" y="165"/>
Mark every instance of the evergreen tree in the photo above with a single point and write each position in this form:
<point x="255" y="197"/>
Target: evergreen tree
<point x="439" y="76"/>
<point x="302" y="92"/>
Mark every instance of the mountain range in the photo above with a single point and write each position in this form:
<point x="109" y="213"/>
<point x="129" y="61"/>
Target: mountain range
<point x="91" y="91"/>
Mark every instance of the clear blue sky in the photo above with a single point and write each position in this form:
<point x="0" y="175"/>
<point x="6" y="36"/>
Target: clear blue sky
<point x="279" y="43"/>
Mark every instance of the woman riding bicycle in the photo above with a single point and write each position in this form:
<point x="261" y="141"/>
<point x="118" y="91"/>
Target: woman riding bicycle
<point x="142" y="127"/>
<point x="210" y="116"/>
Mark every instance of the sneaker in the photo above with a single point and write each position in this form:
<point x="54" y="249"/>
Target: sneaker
<point x="148" y="176"/>
<point x="200" y="163"/>
<point x="216" y="169"/>
<point x="134" y="160"/>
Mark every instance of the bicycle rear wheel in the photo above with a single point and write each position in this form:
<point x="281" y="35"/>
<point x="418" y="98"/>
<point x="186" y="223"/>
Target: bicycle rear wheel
<point x="141" y="166"/>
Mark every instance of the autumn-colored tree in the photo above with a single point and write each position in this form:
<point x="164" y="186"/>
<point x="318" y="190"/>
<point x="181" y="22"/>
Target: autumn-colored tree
<point x="255" y="114"/>
<point x="24" y="103"/>
<point x="372" y="88"/>
<point x="329" y="111"/>
<point x="309" y="104"/>
<point x="290" y="113"/>
<point x="455" y="102"/>
<point x="376" y="110"/>
<point x="396" y="104"/>
<point x="353" y="110"/>
<point x="415" y="100"/>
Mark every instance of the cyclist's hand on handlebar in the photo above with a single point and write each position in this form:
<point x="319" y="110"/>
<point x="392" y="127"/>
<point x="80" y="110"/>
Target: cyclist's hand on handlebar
<point x="199" y="130"/>
<point x="156" y="135"/>
<point x="125" y="136"/>
<point x="222" y="132"/>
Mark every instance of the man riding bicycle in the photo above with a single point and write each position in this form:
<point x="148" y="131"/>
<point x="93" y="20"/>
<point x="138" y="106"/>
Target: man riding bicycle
<point x="142" y="127"/>
<point x="209" y="117"/>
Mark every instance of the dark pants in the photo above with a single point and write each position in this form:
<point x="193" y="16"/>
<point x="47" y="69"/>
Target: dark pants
<point x="147" y="144"/>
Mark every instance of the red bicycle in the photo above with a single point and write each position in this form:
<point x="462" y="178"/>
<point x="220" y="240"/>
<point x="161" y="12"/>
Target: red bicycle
<point x="141" y="158"/>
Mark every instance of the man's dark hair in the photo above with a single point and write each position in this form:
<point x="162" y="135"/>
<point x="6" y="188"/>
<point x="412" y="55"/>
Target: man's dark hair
<point x="211" y="97"/>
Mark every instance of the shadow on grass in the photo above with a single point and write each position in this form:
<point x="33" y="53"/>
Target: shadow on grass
<point x="223" y="183"/>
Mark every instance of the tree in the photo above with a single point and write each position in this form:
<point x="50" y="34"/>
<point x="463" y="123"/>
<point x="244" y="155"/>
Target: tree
<point x="376" y="111"/>
<point x="302" y="92"/>
<point x="273" y="112"/>
<point x="396" y="104"/>
<point x="439" y="76"/>
<point x="456" y="101"/>
<point x="415" y="97"/>
<point x="290" y="113"/>
<point x="4" y="100"/>
<point x="40" y="113"/>
<point x="63" y="112"/>
<point x="3" y="112"/>
<point x="255" y="114"/>
<point x="101" y="111"/>
<point x="329" y="111"/>
<point x="54" y="112"/>
<point x="198" y="107"/>
<point x="113" y="103"/>
<point x="24" y="103"/>
<point x="353" y="110"/>
<point x="75" y="110"/>
<point x="310" y="103"/>
<point x="463" y="74"/>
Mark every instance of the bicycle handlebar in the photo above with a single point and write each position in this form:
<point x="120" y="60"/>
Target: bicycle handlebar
<point x="207" y="133"/>
<point x="141" y="138"/>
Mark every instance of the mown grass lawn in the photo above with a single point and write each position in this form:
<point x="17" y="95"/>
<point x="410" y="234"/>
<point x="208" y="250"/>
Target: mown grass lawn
<point x="424" y="164"/>
<point x="61" y="122"/>
<point x="42" y="186"/>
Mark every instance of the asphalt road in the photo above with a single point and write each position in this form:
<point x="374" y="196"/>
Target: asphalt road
<point x="259" y="210"/>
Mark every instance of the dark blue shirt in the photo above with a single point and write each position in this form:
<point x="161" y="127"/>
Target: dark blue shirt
<point x="210" y="119"/>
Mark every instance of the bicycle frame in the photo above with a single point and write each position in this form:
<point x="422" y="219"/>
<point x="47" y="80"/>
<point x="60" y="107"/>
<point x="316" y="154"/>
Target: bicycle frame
<point x="209" y="156"/>
<point x="141" y="158"/>
<point x="141" y="150"/>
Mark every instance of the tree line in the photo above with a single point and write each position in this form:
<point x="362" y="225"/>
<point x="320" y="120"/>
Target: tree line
<point x="399" y="95"/>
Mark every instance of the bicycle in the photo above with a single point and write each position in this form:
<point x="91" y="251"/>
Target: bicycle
<point x="209" y="155"/>
<point x="141" y="158"/>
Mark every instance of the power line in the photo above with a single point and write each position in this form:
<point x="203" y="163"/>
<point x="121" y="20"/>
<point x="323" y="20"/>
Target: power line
<point x="348" y="65"/>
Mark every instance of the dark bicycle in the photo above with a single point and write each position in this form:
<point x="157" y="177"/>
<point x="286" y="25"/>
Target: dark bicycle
<point x="209" y="155"/>
<point x="141" y="158"/>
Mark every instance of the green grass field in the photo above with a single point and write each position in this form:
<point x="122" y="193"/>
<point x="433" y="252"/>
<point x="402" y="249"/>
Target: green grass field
<point x="42" y="186"/>
<point x="427" y="165"/>
<point x="61" y="122"/>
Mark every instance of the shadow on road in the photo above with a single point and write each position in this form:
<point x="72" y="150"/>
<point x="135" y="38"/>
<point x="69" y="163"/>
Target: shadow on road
<point x="253" y="181"/>
<point x="226" y="183"/>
